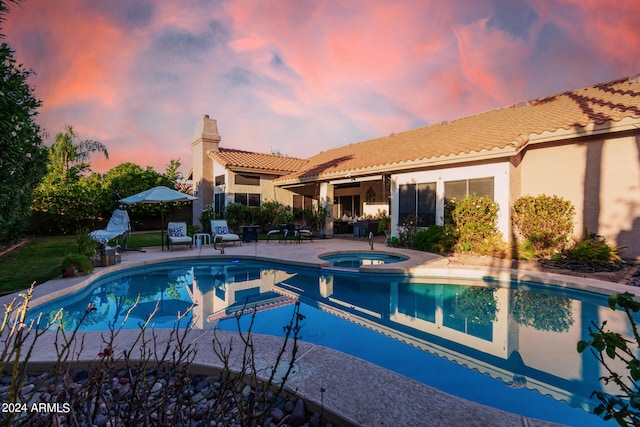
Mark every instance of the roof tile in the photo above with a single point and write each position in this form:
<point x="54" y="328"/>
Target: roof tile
<point x="488" y="131"/>
<point x="269" y="162"/>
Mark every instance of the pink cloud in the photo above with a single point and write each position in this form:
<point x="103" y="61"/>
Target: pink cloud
<point x="302" y="77"/>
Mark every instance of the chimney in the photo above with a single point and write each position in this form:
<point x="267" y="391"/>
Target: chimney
<point x="205" y="139"/>
<point x="206" y="132"/>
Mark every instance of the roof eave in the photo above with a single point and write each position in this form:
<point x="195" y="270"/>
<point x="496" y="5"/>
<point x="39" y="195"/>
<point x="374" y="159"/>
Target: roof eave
<point x="245" y="169"/>
<point x="590" y="130"/>
<point x="495" y="153"/>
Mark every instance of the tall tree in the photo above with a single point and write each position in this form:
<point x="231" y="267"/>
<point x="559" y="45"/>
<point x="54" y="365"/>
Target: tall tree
<point x="70" y="157"/>
<point x="172" y="171"/>
<point x="23" y="157"/>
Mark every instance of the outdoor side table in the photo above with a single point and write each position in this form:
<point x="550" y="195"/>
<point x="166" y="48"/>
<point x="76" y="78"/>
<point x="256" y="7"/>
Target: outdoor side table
<point x="249" y="233"/>
<point x="201" y="239"/>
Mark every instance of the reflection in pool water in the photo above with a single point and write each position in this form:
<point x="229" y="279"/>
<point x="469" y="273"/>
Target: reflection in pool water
<point x="507" y="345"/>
<point x="358" y="259"/>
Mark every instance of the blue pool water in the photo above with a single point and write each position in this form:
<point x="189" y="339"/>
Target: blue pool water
<point x="507" y="345"/>
<point x="358" y="259"/>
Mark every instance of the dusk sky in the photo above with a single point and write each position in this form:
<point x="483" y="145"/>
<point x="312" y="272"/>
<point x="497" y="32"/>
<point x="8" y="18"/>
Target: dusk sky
<point x="299" y="77"/>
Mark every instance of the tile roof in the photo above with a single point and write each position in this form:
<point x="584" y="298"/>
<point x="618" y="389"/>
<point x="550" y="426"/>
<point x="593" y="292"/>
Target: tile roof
<point x="264" y="162"/>
<point x="487" y="134"/>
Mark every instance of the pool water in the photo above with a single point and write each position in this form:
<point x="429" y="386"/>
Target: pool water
<point x="358" y="259"/>
<point x="507" y="345"/>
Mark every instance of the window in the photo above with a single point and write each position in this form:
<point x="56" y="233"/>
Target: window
<point x="348" y="205"/>
<point x="418" y="200"/>
<point x="219" y="180"/>
<point x="482" y="187"/>
<point x="241" y="179"/>
<point x="247" y="199"/>
<point x="302" y="202"/>
<point x="218" y="203"/>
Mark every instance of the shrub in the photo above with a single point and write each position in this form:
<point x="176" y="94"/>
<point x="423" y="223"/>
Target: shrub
<point x="474" y="220"/>
<point x="236" y="214"/>
<point x="545" y="221"/>
<point x="593" y="248"/>
<point x="436" y="238"/>
<point x="73" y="263"/>
<point x="86" y="245"/>
<point x="206" y="216"/>
<point x="315" y="217"/>
<point x="408" y="230"/>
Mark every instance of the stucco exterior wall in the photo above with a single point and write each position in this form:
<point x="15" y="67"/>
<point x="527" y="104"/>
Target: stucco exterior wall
<point x="268" y="192"/>
<point x="602" y="180"/>
<point x="500" y="171"/>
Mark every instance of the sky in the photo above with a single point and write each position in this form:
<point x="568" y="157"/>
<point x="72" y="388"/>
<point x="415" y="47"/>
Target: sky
<point x="298" y="77"/>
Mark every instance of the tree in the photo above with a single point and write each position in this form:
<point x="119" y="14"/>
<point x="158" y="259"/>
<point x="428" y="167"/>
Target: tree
<point x="66" y="201"/>
<point x="23" y="156"/>
<point x="172" y="170"/>
<point x="70" y="158"/>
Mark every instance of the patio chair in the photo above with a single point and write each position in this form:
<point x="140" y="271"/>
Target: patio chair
<point x="220" y="233"/>
<point x="118" y="226"/>
<point x="177" y="235"/>
<point x="289" y="232"/>
<point x="278" y="230"/>
<point x="304" y="233"/>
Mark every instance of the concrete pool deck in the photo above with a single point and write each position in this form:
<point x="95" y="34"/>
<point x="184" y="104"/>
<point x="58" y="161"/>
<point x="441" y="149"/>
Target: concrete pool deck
<point x="359" y="392"/>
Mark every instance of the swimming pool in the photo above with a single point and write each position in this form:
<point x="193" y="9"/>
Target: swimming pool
<point x="506" y="345"/>
<point x="358" y="259"/>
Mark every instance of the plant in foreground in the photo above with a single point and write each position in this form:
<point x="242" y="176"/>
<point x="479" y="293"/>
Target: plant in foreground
<point x="612" y="347"/>
<point x="148" y="381"/>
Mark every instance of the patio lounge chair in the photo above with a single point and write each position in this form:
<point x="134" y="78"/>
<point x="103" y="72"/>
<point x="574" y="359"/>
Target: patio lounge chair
<point x="280" y="230"/>
<point x="295" y="232"/>
<point x="118" y="226"/>
<point x="177" y="235"/>
<point x="220" y="233"/>
<point x="304" y="233"/>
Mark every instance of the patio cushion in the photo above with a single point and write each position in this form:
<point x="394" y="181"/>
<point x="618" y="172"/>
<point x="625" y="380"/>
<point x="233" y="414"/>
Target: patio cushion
<point x="221" y="229"/>
<point x="176" y="232"/>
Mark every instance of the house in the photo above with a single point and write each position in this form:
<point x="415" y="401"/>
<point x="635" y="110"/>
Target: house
<point x="222" y="175"/>
<point x="582" y="145"/>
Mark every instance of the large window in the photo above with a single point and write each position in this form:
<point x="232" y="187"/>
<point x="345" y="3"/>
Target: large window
<point x="418" y="200"/>
<point x="247" y="199"/>
<point x="482" y="187"/>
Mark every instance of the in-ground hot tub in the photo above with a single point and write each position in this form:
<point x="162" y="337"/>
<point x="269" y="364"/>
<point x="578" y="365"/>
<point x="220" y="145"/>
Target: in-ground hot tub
<point x="358" y="259"/>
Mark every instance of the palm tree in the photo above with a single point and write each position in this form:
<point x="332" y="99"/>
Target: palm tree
<point x="70" y="157"/>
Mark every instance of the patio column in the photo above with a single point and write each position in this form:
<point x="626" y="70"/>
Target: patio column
<point x="326" y="200"/>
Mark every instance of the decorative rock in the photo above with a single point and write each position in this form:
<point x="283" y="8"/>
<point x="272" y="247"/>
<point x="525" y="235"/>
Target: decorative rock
<point x="27" y="389"/>
<point x="297" y="417"/>
<point x="288" y="407"/>
<point x="314" y="421"/>
<point x="277" y="415"/>
<point x="156" y="387"/>
<point x="101" y="420"/>
<point x="190" y="401"/>
<point x="246" y="391"/>
<point x="202" y="385"/>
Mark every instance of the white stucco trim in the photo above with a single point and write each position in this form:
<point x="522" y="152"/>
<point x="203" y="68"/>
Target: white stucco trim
<point x="499" y="171"/>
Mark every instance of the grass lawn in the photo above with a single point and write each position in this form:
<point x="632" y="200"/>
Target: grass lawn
<point x="40" y="259"/>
